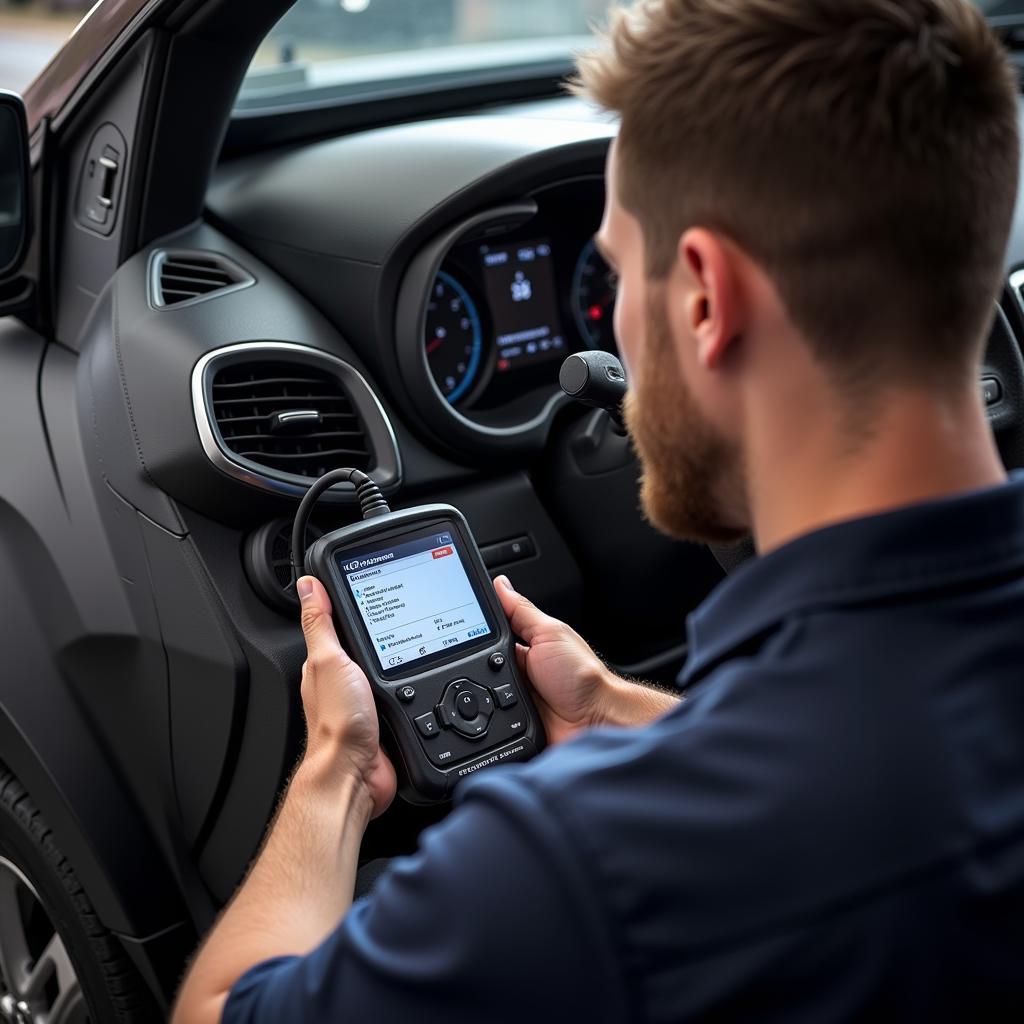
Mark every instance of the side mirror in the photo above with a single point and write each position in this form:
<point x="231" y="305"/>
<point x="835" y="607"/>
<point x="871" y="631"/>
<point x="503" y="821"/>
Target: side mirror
<point x="14" y="185"/>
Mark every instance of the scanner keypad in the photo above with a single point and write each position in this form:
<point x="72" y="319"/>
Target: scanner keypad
<point x="472" y="720"/>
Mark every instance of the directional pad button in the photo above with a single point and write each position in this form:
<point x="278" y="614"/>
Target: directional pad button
<point x="466" y="707"/>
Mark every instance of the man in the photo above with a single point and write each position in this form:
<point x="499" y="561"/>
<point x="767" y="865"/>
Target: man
<point x="808" y="205"/>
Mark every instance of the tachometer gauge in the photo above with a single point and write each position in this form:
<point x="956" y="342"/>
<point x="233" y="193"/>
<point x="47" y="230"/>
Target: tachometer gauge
<point x="593" y="299"/>
<point x="453" y="338"/>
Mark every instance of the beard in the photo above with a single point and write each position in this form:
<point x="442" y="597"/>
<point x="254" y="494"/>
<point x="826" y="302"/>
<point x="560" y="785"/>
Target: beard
<point x="692" y="485"/>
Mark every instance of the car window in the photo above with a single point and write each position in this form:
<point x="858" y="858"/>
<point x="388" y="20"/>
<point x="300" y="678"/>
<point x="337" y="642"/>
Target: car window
<point x="359" y="46"/>
<point x="30" y="34"/>
<point x="331" y="47"/>
<point x="324" y="50"/>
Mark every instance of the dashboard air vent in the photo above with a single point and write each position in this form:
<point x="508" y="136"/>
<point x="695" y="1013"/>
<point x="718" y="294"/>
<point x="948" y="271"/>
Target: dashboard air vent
<point x="179" y="278"/>
<point x="290" y="417"/>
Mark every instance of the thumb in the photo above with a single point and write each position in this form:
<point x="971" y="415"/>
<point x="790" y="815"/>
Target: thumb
<point x="526" y="619"/>
<point x="317" y="626"/>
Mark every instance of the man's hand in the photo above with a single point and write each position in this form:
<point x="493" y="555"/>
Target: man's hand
<point x="341" y="719"/>
<point x="573" y="688"/>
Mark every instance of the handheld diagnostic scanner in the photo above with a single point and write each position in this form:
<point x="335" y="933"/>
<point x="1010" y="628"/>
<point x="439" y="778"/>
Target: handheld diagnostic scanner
<point x="415" y="607"/>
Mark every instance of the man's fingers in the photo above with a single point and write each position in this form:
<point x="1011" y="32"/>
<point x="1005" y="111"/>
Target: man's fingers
<point x="322" y="645"/>
<point x="526" y="619"/>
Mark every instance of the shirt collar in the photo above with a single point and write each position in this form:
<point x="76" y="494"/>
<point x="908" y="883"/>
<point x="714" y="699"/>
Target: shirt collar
<point x="917" y="548"/>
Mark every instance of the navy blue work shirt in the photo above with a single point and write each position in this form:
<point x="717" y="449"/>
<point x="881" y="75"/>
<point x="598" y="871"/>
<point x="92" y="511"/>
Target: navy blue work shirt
<point x="829" y="828"/>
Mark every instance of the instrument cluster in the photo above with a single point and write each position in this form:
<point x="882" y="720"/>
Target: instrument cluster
<point x="504" y="311"/>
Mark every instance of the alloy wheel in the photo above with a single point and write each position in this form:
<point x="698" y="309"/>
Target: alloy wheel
<point x="38" y="984"/>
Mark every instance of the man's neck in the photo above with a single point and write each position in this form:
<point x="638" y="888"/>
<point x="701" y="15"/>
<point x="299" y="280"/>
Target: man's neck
<point x="920" y="447"/>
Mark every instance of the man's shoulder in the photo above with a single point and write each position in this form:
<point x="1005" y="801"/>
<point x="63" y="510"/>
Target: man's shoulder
<point x="758" y="799"/>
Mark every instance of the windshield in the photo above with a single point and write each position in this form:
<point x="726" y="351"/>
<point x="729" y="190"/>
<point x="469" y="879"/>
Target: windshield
<point x="352" y="47"/>
<point x="333" y="50"/>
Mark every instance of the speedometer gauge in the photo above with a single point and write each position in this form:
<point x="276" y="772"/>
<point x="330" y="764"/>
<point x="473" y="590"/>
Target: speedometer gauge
<point x="453" y="338"/>
<point x="593" y="299"/>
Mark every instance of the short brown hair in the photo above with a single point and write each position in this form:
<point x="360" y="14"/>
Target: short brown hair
<point x="864" y="152"/>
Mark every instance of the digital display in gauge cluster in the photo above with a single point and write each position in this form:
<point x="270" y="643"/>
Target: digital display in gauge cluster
<point x="519" y="281"/>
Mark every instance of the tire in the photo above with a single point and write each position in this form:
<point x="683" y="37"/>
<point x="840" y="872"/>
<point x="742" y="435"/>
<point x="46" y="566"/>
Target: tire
<point x="77" y="971"/>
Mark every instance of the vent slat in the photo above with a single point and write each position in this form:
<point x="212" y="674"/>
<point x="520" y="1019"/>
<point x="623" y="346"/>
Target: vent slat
<point x="334" y="434"/>
<point x="273" y="381"/>
<point x="278" y="399"/>
<point x="270" y="415"/>
<point x="173" y="265"/>
<point x="255" y="392"/>
<point x="218" y="281"/>
<point x="196" y="263"/>
<point x="263" y="456"/>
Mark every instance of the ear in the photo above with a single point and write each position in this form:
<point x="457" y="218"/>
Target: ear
<point x="715" y="312"/>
